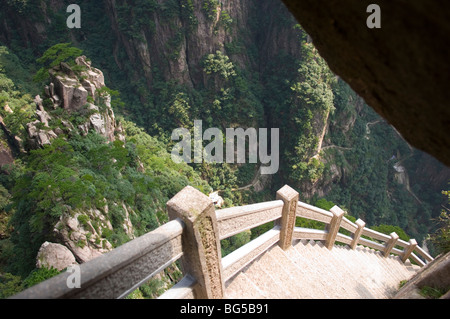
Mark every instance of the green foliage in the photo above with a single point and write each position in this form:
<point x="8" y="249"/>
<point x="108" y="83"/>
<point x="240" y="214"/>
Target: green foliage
<point x="225" y="20"/>
<point x="179" y="110"/>
<point x="5" y="199"/>
<point x="10" y="285"/>
<point x="61" y="52"/>
<point x="210" y="9"/>
<point x="169" y="176"/>
<point x="104" y="95"/>
<point x="16" y="108"/>
<point x="245" y="174"/>
<point x="308" y="223"/>
<point x="87" y="172"/>
<point x="174" y="45"/>
<point x="15" y="77"/>
<point x="324" y="204"/>
<point x="188" y="12"/>
<point x="219" y="64"/>
<point x="431" y="292"/>
<point x="298" y="99"/>
<point x="315" y="79"/>
<point x="310" y="105"/>
<point x="441" y="237"/>
<point x="219" y="175"/>
<point x="234" y="242"/>
<point x="388" y="229"/>
<point x="135" y="16"/>
<point x="40" y="275"/>
<point x="402" y="283"/>
<point x="169" y="9"/>
<point x="370" y="189"/>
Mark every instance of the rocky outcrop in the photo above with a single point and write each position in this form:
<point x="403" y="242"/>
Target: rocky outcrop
<point x="40" y="136"/>
<point x="83" y="234"/>
<point x="56" y="256"/>
<point x="400" y="69"/>
<point x="72" y="91"/>
<point x="435" y="275"/>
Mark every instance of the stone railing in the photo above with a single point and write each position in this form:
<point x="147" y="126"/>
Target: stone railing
<point x="194" y="234"/>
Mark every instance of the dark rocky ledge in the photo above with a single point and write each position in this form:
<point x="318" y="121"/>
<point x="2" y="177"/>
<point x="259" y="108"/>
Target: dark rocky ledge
<point x="402" y="69"/>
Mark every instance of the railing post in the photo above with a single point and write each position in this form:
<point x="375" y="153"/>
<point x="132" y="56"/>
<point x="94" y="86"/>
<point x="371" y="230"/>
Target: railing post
<point x="290" y="199"/>
<point x="390" y="244"/>
<point x="408" y="250"/>
<point x="201" y="245"/>
<point x="361" y="224"/>
<point x="333" y="227"/>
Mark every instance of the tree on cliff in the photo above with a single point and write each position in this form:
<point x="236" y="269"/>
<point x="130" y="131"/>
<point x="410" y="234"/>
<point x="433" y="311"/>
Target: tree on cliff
<point x="61" y="52"/>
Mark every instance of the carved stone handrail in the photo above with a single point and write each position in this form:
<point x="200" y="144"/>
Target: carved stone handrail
<point x="241" y="257"/>
<point x="120" y="271"/>
<point x="232" y="221"/>
<point x="193" y="235"/>
<point x="314" y="213"/>
<point x="423" y="254"/>
<point x="356" y="230"/>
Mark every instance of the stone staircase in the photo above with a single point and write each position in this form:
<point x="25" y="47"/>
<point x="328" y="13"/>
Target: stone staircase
<point x="309" y="270"/>
<point x="284" y="262"/>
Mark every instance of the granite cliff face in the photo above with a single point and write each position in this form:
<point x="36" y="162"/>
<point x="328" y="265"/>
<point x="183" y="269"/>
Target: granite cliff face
<point x="172" y="37"/>
<point x="71" y="92"/>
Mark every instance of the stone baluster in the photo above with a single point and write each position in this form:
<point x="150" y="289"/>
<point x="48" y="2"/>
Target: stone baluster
<point x="333" y="226"/>
<point x="408" y="250"/>
<point x="360" y="224"/>
<point x="201" y="245"/>
<point x="290" y="199"/>
<point x="390" y="244"/>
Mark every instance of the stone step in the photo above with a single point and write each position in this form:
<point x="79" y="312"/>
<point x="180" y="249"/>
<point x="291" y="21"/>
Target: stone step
<point x="351" y="274"/>
<point x="324" y="266"/>
<point x="241" y="287"/>
<point x="308" y="269"/>
<point x="262" y="275"/>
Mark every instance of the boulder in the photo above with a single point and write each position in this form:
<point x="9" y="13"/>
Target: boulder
<point x="94" y="76"/>
<point x="39" y="102"/>
<point x="45" y="137"/>
<point x="79" y="98"/>
<point x="39" y="137"/>
<point x="54" y="255"/>
<point x="89" y="87"/>
<point x="98" y="123"/>
<point x="70" y="90"/>
<point x="64" y="87"/>
<point x="43" y="116"/>
<point x="77" y="232"/>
